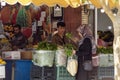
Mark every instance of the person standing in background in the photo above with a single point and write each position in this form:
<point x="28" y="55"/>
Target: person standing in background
<point x="37" y="36"/>
<point x="100" y="41"/>
<point x="18" y="41"/>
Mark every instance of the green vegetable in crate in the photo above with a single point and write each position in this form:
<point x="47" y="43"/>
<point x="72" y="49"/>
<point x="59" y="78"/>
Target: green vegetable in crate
<point x="105" y="50"/>
<point x="44" y="55"/>
<point x="46" y="46"/>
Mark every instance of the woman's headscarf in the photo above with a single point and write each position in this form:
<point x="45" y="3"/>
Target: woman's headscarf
<point x="84" y="30"/>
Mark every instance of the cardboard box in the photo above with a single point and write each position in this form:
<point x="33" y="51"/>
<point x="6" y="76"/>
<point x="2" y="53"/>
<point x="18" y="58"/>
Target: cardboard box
<point x="2" y="71"/>
<point x="27" y="55"/>
<point x="11" y="55"/>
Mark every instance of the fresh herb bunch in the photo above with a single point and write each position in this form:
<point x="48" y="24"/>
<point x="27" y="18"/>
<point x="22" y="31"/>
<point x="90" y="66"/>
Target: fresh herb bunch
<point x="46" y="46"/>
<point x="68" y="35"/>
<point x="69" y="49"/>
<point x="105" y="50"/>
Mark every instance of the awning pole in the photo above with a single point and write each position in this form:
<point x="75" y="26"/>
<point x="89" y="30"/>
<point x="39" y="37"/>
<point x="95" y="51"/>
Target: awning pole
<point x="96" y="24"/>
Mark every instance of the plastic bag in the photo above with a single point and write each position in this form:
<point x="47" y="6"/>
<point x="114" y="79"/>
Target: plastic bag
<point x="72" y="65"/>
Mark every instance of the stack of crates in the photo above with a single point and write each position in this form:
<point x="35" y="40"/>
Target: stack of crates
<point x="62" y="74"/>
<point x="105" y="72"/>
<point x="50" y="73"/>
<point x="36" y="72"/>
<point x="42" y="73"/>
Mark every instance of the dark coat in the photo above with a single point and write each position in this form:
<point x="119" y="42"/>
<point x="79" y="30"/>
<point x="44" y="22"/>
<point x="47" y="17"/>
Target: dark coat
<point x="84" y="53"/>
<point x="85" y="50"/>
<point x="19" y="40"/>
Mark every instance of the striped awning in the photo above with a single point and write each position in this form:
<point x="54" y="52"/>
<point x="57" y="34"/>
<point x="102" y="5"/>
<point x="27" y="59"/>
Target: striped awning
<point x="62" y="3"/>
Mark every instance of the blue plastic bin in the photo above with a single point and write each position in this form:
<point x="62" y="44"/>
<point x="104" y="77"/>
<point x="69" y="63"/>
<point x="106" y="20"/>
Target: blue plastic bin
<point x="22" y="69"/>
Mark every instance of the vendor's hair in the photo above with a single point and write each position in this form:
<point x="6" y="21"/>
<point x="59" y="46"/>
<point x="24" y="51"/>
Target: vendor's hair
<point x="17" y="26"/>
<point x="62" y="24"/>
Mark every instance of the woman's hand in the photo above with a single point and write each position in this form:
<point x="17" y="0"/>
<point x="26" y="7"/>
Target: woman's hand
<point x="74" y="52"/>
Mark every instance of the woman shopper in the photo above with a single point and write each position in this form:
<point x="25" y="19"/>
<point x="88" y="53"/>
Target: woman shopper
<point x="84" y="52"/>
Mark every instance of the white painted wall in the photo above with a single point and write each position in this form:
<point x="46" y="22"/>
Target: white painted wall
<point x="103" y="21"/>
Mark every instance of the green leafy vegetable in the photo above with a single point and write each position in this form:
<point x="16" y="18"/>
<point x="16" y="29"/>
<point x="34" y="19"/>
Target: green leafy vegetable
<point x="69" y="49"/>
<point x="68" y="35"/>
<point x="105" y="50"/>
<point x="46" y="46"/>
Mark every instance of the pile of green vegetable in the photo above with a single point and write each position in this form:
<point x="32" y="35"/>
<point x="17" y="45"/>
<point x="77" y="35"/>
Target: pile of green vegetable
<point x="69" y="47"/>
<point x="105" y="50"/>
<point x="46" y="46"/>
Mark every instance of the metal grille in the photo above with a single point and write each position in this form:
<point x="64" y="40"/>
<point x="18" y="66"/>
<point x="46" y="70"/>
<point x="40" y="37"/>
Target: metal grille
<point x="104" y="72"/>
<point x="42" y="73"/>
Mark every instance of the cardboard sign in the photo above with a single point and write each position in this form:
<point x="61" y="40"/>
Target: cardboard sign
<point x="11" y="55"/>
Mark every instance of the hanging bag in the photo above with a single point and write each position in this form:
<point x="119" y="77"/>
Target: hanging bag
<point x="87" y="65"/>
<point x="72" y="65"/>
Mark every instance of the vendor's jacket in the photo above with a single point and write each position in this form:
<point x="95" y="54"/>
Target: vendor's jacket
<point x="19" y="40"/>
<point x="61" y="41"/>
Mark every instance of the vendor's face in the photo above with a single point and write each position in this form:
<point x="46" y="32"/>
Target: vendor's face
<point x="16" y="30"/>
<point x="61" y="30"/>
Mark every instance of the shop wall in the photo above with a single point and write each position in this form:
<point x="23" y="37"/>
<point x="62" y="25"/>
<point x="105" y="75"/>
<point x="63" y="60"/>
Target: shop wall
<point x="5" y="14"/>
<point x="72" y="18"/>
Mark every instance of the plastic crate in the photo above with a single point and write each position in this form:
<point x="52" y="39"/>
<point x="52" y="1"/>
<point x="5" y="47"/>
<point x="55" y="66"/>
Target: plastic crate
<point x="104" y="72"/>
<point x="42" y="73"/>
<point x="36" y="72"/>
<point x="62" y="74"/>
